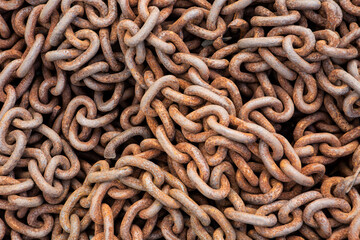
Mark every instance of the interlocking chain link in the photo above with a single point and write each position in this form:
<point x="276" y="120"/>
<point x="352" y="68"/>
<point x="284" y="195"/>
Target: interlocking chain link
<point x="179" y="119"/>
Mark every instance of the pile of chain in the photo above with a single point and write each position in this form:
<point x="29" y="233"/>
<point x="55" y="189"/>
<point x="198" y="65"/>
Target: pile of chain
<point x="179" y="119"/>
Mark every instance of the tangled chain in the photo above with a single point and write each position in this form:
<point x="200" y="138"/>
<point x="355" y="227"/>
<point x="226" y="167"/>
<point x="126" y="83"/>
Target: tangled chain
<point x="179" y="119"/>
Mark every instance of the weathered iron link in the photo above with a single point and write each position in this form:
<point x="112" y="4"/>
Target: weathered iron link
<point x="179" y="119"/>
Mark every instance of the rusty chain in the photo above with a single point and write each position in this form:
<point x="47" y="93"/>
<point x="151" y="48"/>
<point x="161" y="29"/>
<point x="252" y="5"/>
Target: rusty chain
<point x="179" y="119"/>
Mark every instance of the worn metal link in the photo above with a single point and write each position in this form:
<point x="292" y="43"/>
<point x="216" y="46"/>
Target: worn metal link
<point x="177" y="119"/>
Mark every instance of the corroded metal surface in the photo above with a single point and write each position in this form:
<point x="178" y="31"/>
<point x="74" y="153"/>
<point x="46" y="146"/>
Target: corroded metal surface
<point x="179" y="119"/>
